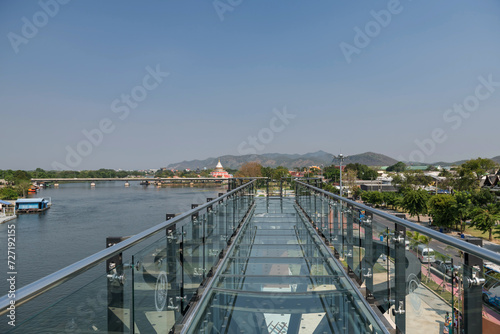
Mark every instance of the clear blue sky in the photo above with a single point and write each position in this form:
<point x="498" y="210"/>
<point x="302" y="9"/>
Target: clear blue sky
<point x="229" y="70"/>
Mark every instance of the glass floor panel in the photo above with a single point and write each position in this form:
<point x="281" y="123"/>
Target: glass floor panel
<point x="288" y="283"/>
<point x="280" y="278"/>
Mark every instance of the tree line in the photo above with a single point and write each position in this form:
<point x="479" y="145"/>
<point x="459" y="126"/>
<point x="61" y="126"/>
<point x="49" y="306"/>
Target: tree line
<point x="18" y="182"/>
<point x="464" y="203"/>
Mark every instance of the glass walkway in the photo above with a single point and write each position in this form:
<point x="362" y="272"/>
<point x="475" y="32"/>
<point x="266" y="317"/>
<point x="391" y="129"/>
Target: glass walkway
<point x="279" y="277"/>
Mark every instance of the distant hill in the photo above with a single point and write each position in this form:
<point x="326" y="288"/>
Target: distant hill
<point x="287" y="160"/>
<point x="458" y="163"/>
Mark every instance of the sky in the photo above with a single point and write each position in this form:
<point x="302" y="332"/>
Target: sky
<point x="137" y="85"/>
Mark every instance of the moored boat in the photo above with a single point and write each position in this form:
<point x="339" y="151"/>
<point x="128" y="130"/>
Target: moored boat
<point x="32" y="205"/>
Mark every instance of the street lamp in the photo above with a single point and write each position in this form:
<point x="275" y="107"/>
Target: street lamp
<point x="341" y="158"/>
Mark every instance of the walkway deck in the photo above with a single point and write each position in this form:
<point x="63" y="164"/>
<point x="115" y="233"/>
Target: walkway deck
<point x="280" y="278"/>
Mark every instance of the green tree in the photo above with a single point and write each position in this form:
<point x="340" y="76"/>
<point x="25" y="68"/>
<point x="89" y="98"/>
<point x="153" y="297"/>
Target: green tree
<point x="393" y="200"/>
<point x="463" y="207"/>
<point x="414" y="238"/>
<point x="416" y="179"/>
<point x="486" y="218"/>
<point x="363" y="171"/>
<point x="21" y="175"/>
<point x="373" y="197"/>
<point x="483" y="197"/>
<point x="22" y="187"/>
<point x="415" y="202"/>
<point x="280" y="172"/>
<point x="356" y="193"/>
<point x="267" y="172"/>
<point x="332" y="173"/>
<point x="8" y="193"/>
<point x="397" y="167"/>
<point x="443" y="210"/>
<point x="469" y="173"/>
<point x="40" y="173"/>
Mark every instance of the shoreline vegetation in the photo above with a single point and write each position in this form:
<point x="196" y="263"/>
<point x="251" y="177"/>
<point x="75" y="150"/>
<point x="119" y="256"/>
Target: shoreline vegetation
<point x="459" y="201"/>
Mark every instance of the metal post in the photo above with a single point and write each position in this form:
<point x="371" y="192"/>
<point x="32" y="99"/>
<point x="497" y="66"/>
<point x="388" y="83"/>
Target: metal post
<point x="349" y="240"/>
<point x="341" y="158"/>
<point x="473" y="302"/>
<point x="400" y="278"/>
<point x="368" y="260"/>
<point x="114" y="271"/>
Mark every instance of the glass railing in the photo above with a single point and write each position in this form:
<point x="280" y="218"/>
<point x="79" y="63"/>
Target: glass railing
<point x="421" y="280"/>
<point x="280" y="277"/>
<point x="149" y="281"/>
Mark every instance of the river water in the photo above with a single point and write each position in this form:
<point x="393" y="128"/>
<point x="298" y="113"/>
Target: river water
<point x="81" y="218"/>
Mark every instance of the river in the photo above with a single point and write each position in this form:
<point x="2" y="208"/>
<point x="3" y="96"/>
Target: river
<point x="81" y="218"/>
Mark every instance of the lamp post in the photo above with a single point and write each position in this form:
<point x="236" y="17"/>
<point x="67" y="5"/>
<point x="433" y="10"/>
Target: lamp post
<point x="341" y="158"/>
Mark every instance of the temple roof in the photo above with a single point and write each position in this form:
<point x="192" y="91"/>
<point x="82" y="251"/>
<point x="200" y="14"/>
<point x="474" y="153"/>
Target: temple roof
<point x="219" y="165"/>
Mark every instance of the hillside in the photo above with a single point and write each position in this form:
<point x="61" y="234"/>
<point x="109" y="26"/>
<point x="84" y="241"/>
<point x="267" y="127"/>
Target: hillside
<point x="288" y="160"/>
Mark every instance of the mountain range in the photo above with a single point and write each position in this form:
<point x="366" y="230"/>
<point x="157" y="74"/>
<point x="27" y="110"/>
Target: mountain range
<point x="287" y="160"/>
<point x="300" y="160"/>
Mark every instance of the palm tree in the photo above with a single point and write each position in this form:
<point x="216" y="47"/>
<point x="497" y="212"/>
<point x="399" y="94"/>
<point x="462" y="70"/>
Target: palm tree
<point x="414" y="239"/>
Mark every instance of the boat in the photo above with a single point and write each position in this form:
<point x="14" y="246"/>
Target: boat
<point x="33" y="205"/>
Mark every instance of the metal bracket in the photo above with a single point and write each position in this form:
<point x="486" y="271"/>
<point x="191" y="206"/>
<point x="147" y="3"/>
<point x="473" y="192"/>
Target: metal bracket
<point x="400" y="310"/>
<point x="179" y="298"/>
<point x="115" y="278"/>
<point x="368" y="273"/>
<point x="474" y="281"/>
<point x="398" y="238"/>
<point x="171" y="305"/>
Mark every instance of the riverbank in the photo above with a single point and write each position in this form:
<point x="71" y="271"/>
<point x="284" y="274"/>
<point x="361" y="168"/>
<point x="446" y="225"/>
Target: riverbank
<point x="7" y="218"/>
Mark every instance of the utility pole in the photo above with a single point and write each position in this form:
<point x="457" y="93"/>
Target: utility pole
<point x="341" y="158"/>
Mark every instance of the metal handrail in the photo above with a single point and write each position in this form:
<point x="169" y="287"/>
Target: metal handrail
<point x="357" y="292"/>
<point x="55" y="279"/>
<point x="192" y="314"/>
<point x="457" y="243"/>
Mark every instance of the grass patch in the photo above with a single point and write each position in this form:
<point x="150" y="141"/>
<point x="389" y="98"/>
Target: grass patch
<point x="446" y="295"/>
<point x="478" y="234"/>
